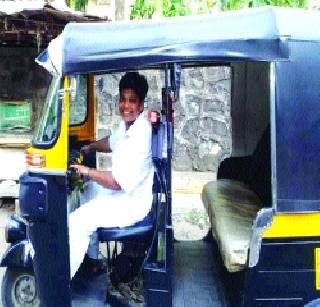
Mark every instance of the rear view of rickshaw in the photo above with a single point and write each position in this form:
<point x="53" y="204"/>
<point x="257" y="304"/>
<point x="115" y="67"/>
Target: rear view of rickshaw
<point x="264" y="206"/>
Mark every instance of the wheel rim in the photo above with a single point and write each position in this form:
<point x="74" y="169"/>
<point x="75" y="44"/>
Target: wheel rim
<point x="24" y="290"/>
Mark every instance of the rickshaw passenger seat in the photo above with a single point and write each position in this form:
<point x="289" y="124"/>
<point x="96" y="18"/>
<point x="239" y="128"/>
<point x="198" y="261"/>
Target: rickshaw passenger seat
<point x="242" y="188"/>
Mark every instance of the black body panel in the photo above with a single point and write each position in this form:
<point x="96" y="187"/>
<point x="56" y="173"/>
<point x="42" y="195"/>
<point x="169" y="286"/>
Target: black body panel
<point x="49" y="236"/>
<point x="284" y="275"/>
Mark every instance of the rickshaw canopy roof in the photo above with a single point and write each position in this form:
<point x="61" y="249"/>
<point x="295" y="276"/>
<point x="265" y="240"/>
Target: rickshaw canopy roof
<point x="254" y="34"/>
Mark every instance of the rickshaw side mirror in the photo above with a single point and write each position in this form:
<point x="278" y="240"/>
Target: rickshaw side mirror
<point x="71" y="89"/>
<point x="62" y="91"/>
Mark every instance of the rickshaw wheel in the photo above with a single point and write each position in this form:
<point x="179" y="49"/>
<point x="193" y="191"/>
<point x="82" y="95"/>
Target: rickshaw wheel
<point x="19" y="288"/>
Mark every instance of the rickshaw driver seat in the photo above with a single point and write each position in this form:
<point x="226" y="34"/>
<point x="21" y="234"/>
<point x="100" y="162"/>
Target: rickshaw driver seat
<point x="144" y="230"/>
<point x="132" y="232"/>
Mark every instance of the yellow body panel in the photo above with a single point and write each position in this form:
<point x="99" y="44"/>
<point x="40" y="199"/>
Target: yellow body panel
<point x="317" y="267"/>
<point x="298" y="225"/>
<point x="294" y="225"/>
<point x="56" y="157"/>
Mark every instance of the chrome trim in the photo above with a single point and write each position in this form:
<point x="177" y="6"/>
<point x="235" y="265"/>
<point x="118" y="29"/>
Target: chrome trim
<point x="273" y="134"/>
<point x="260" y="224"/>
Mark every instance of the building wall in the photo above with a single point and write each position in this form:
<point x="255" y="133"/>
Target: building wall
<point x="21" y="78"/>
<point x="103" y="8"/>
<point x="113" y="9"/>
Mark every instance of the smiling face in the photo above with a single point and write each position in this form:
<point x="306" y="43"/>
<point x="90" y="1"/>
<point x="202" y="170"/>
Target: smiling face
<point x="130" y="106"/>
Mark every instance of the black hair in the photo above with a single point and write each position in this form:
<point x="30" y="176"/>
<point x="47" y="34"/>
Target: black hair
<point x="133" y="80"/>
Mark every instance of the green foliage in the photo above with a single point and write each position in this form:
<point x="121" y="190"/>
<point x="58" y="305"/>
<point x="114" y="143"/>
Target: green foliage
<point x="78" y="5"/>
<point x="172" y="8"/>
<point x="226" y="5"/>
<point x="145" y="9"/>
<point x="205" y="6"/>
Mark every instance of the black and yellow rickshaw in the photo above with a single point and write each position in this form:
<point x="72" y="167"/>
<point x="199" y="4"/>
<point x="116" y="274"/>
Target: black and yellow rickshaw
<point x="264" y="206"/>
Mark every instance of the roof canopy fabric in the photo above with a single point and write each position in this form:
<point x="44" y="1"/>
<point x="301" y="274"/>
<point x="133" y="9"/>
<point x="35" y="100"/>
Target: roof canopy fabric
<point x="253" y="34"/>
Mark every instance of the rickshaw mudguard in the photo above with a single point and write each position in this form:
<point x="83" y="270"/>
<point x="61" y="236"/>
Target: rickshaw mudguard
<point x="18" y="255"/>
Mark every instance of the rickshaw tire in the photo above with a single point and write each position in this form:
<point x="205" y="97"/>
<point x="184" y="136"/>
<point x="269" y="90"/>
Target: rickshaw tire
<point x="11" y="280"/>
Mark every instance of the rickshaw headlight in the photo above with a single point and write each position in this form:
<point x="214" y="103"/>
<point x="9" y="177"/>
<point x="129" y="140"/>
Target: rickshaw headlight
<point x="37" y="160"/>
<point x="15" y="230"/>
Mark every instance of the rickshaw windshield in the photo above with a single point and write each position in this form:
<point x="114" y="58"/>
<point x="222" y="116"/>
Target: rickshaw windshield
<point x="47" y="126"/>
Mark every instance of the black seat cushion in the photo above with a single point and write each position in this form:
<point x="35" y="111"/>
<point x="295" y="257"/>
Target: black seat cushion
<point x="254" y="170"/>
<point x="133" y="232"/>
<point x="260" y="169"/>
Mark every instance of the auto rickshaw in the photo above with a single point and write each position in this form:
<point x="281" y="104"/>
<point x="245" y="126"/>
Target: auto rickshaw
<point x="264" y="206"/>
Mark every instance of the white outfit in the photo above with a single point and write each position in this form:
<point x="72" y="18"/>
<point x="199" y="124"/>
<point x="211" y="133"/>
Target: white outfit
<point x="132" y="168"/>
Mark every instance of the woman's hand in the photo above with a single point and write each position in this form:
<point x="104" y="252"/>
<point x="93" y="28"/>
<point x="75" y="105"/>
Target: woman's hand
<point x="81" y="169"/>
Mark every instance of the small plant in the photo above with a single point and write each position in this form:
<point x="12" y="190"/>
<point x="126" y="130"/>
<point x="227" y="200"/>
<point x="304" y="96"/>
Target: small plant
<point x="78" y="180"/>
<point x="75" y="180"/>
<point x="197" y="218"/>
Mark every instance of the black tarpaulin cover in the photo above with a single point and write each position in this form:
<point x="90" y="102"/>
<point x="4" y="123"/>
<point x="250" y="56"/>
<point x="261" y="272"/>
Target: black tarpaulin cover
<point x="257" y="34"/>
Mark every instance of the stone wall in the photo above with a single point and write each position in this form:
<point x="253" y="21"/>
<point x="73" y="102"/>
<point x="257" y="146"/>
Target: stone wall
<point x="202" y="114"/>
<point x="202" y="133"/>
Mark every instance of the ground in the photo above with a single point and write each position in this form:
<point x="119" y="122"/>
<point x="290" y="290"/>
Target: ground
<point x="190" y="221"/>
<point x="189" y="218"/>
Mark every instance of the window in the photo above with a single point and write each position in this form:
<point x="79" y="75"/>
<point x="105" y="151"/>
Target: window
<point x="47" y="125"/>
<point x="78" y="101"/>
